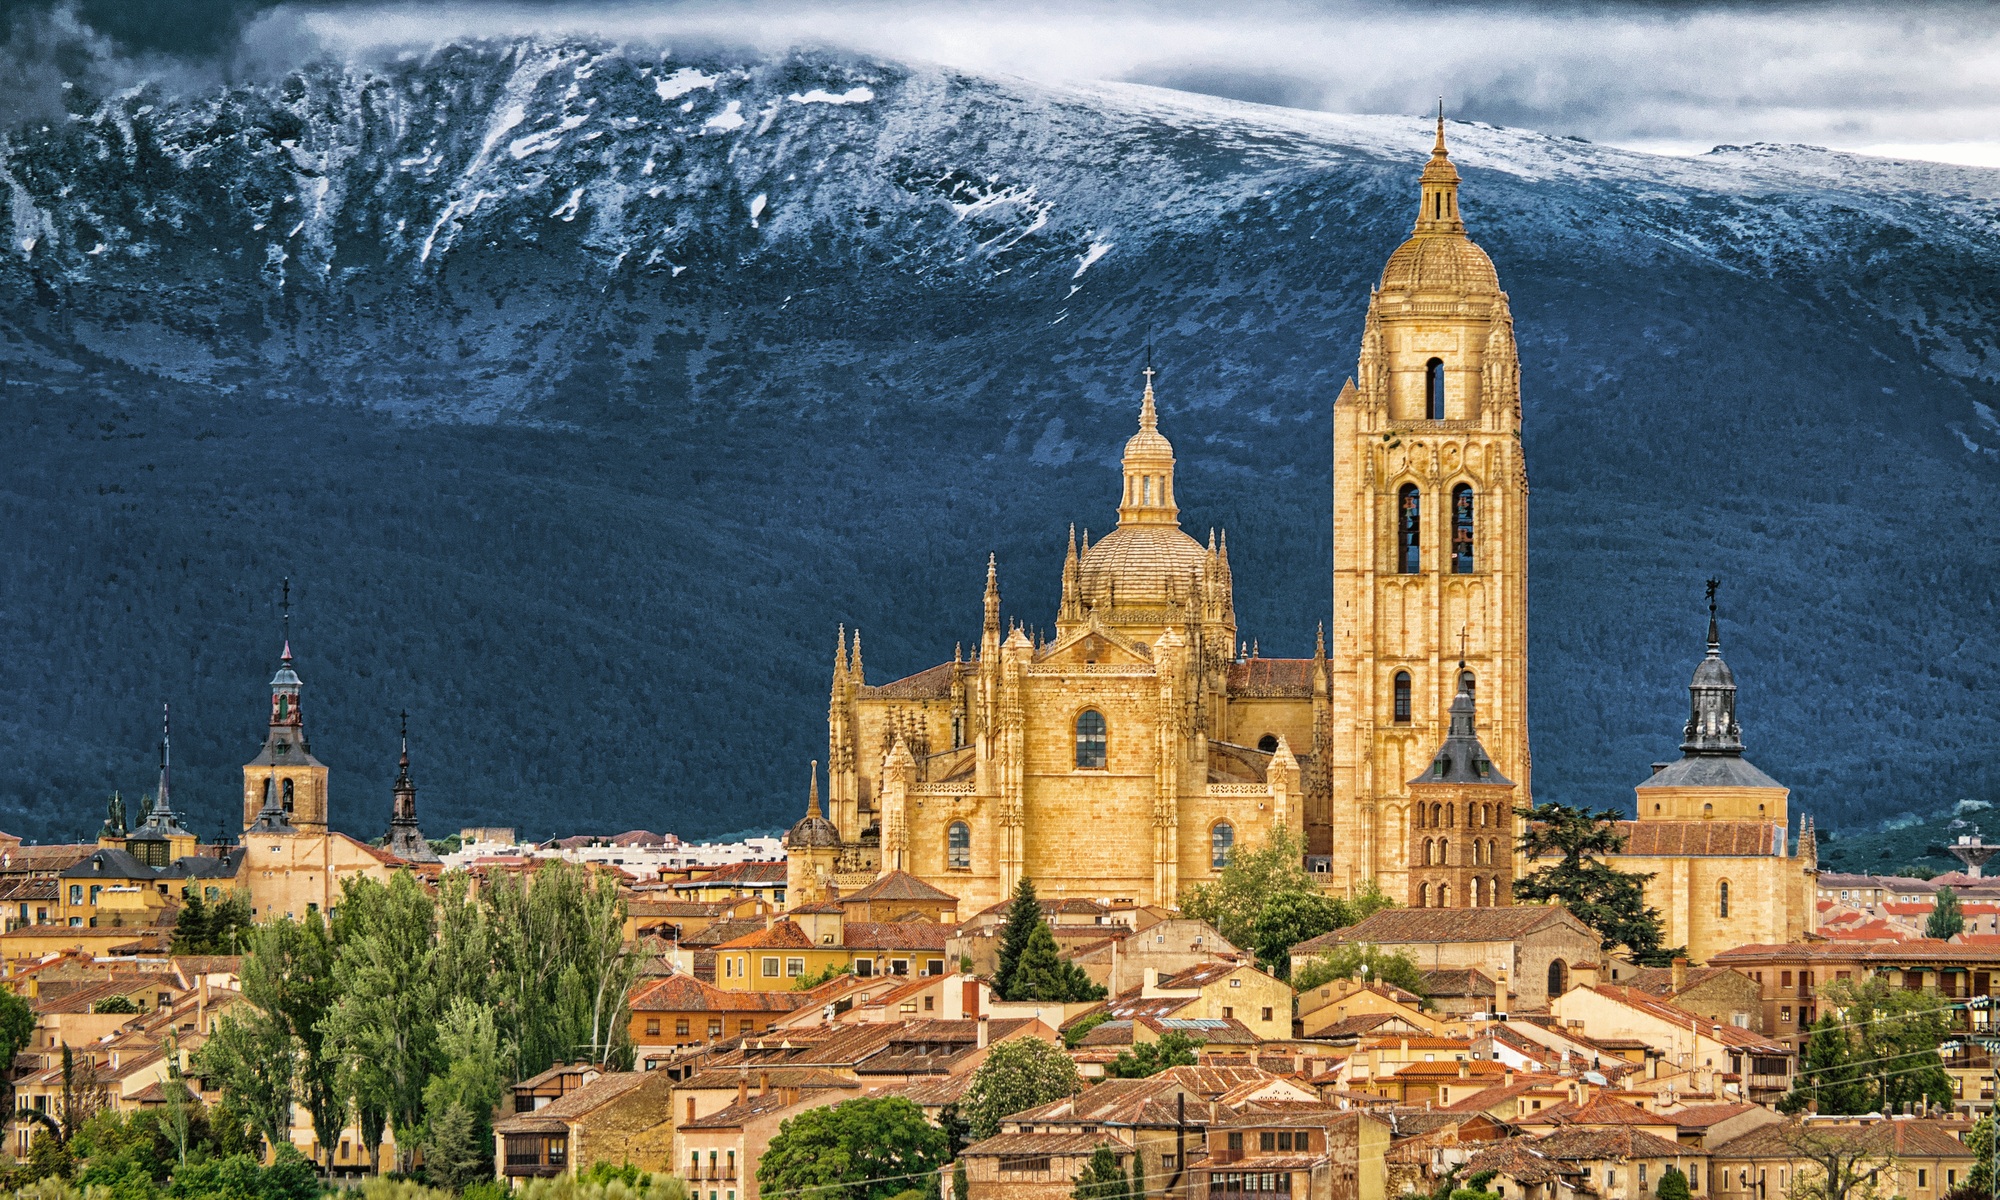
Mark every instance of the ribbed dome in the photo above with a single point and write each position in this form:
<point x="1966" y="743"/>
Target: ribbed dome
<point x="812" y="832"/>
<point x="1149" y="443"/>
<point x="1440" y="263"/>
<point x="1133" y="564"/>
<point x="1713" y="672"/>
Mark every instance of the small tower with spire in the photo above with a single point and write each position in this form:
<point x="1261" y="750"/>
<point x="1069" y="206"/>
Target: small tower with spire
<point x="1461" y="821"/>
<point x="812" y="849"/>
<point x="285" y="775"/>
<point x="159" y="839"/>
<point x="406" y="841"/>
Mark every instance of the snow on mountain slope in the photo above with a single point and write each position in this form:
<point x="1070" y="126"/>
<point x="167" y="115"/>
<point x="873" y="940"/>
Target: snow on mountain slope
<point x="591" y="385"/>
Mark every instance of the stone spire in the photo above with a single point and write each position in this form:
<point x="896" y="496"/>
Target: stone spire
<point x="271" y="818"/>
<point x="854" y="664"/>
<point x="1437" y="205"/>
<point x="1462" y="759"/>
<point x="1071" y="608"/>
<point x="814" y="831"/>
<point x="406" y="841"/>
<point x="1711" y="726"/>
<point x="992" y="595"/>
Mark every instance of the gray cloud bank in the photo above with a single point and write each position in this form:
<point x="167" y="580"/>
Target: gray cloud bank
<point x="1921" y="79"/>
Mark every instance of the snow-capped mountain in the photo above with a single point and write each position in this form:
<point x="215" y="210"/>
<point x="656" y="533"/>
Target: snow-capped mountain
<point x="585" y="388"/>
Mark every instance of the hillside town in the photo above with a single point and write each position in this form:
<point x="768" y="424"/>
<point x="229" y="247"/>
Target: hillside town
<point x="1120" y="910"/>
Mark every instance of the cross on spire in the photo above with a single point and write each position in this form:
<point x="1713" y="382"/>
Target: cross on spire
<point x="285" y="605"/>
<point x="1463" y="638"/>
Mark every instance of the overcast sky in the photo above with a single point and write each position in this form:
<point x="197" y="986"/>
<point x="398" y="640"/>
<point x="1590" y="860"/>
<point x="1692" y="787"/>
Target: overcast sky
<point x="1920" y="79"/>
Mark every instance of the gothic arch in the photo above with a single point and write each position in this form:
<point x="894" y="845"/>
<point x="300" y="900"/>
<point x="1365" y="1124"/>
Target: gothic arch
<point x="1093" y="739"/>
<point x="958" y="846"/>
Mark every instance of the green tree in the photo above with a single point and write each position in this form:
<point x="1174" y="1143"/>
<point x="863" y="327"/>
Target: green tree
<point x="867" y="1149"/>
<point x="1673" y="1186"/>
<point x="1610" y="901"/>
<point x="1024" y="915"/>
<point x="1287" y="919"/>
<point x="1827" y="1081"/>
<point x="1102" y="1178"/>
<point x="1017" y="1075"/>
<point x="1172" y="1049"/>
<point x="1248" y="881"/>
<point x="114" y="1004"/>
<point x="383" y="1029"/>
<point x="252" y="1061"/>
<point x="1074" y="1033"/>
<point x="458" y="1101"/>
<point x="219" y="928"/>
<point x="1979" y="1140"/>
<point x="1394" y="967"/>
<point x="824" y="975"/>
<point x="560" y="969"/>
<point x="289" y="977"/>
<point x="1040" y="974"/>
<point x="17" y="1032"/>
<point x="1947" y="919"/>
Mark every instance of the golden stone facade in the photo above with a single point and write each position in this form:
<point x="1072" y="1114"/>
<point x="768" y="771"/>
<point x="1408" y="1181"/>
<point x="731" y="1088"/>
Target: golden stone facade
<point x="1126" y="757"/>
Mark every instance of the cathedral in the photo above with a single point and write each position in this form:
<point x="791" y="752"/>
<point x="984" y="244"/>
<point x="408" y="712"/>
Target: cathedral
<point x="1127" y="757"/>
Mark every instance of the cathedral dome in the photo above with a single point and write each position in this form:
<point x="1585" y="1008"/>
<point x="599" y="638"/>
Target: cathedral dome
<point x="1138" y="564"/>
<point x="1440" y="263"/>
<point x="1713" y="672"/>
<point x="812" y="832"/>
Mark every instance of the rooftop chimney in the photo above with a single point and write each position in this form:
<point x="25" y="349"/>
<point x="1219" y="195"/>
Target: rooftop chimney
<point x="1680" y="974"/>
<point x="985" y="1030"/>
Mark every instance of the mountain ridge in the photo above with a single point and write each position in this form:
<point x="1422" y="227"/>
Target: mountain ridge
<point x="584" y="476"/>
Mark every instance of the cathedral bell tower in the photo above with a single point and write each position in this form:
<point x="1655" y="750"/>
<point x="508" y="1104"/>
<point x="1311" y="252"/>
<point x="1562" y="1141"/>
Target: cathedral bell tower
<point x="1430" y="541"/>
<point x="285" y="777"/>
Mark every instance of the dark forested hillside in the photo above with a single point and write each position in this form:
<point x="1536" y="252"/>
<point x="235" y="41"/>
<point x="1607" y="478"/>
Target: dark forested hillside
<point x="582" y="392"/>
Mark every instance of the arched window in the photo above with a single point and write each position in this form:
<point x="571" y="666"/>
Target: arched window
<point x="1708" y="810"/>
<point x="1451" y="816"/>
<point x="1220" y="840"/>
<point x="270" y="791"/>
<point x="1444" y="860"/>
<point x="1409" y="534"/>
<point x="288" y="795"/>
<point x="1461" y="529"/>
<point x="1437" y="816"/>
<point x="1423" y="895"/>
<point x="1475" y="892"/>
<point x="1444" y="895"/>
<point x="1558" y="978"/>
<point x="1427" y="852"/>
<point x="1469" y="684"/>
<point x="1434" y="389"/>
<point x="1268" y="743"/>
<point x="958" y="846"/>
<point x="1722" y="899"/>
<point x="1402" y="697"/>
<point x="1090" y="738"/>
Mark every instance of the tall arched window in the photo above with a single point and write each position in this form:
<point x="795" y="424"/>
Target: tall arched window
<point x="1434" y="389"/>
<point x="1469" y="684"/>
<point x="1221" y="840"/>
<point x="1444" y="858"/>
<point x="1558" y="978"/>
<point x="1423" y="895"/>
<point x="1451" y="816"/>
<point x="1402" y="697"/>
<point x="1090" y="738"/>
<point x="958" y="846"/>
<point x="1409" y="530"/>
<point x="1444" y="895"/>
<point x="1461" y="529"/>
<point x="1475" y="891"/>
<point x="1437" y="816"/>
<point x="1427" y="852"/>
<point x="288" y="795"/>
<point x="1722" y="899"/>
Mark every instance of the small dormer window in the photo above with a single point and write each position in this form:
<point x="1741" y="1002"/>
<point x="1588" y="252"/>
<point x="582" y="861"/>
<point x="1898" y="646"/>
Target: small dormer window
<point x="284" y="748"/>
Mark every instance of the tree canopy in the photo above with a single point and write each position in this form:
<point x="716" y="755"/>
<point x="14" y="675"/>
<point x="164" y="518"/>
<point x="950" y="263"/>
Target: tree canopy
<point x="1394" y="967"/>
<point x="1172" y="1049"/>
<point x="865" y="1149"/>
<point x="1610" y="901"/>
<point x="1266" y="902"/>
<point x="1874" y="1045"/>
<point x="1017" y="1074"/>
<point x="1947" y="919"/>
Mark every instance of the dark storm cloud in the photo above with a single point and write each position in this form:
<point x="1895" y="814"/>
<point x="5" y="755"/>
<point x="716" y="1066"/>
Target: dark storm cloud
<point x="1670" y="74"/>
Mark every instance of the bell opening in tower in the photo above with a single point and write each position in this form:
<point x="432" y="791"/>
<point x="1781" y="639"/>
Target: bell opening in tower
<point x="1434" y="389"/>
<point x="1410" y="504"/>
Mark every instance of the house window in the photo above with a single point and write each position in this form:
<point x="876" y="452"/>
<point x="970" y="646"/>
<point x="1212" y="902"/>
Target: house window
<point x="933" y="966"/>
<point x="1409" y="530"/>
<point x="681" y="1027"/>
<point x="652" y="1026"/>
<point x="1402" y="697"/>
<point x="1267" y="1014"/>
<point x="715" y="1027"/>
<point x="76" y="893"/>
<point x="1461" y="529"/>
<point x="958" y="846"/>
<point x="746" y="1026"/>
<point x="1221" y="840"/>
<point x="1090" y="739"/>
<point x="1785" y="1013"/>
<point x="795" y="967"/>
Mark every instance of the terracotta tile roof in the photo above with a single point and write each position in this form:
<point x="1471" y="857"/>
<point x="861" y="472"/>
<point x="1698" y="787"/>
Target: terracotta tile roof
<point x="1734" y="839"/>
<point x="932" y="1092"/>
<point x="754" y="1076"/>
<point x="1728" y="1035"/>
<point x="1198" y="976"/>
<point x="1520" y="1160"/>
<point x="899" y="885"/>
<point x="742" y="874"/>
<point x="723" y="931"/>
<point x="1290" y="678"/>
<point x="933" y="683"/>
<point x="1130" y="1006"/>
<point x="734" y="1115"/>
<point x="782" y="935"/>
<point x="892" y="935"/>
<point x="1357" y="1026"/>
<point x="1396" y="925"/>
<point x="33" y="860"/>
<point x="1469" y="981"/>
<point x="685" y="993"/>
<point x="584" y="1100"/>
<point x="1600" y="1110"/>
<point x="1072" y="1144"/>
<point x="1480" y="1101"/>
<point x="1905" y="1138"/>
<point x="1707" y="1115"/>
<point x="645" y="906"/>
<point x="1576" y="1143"/>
